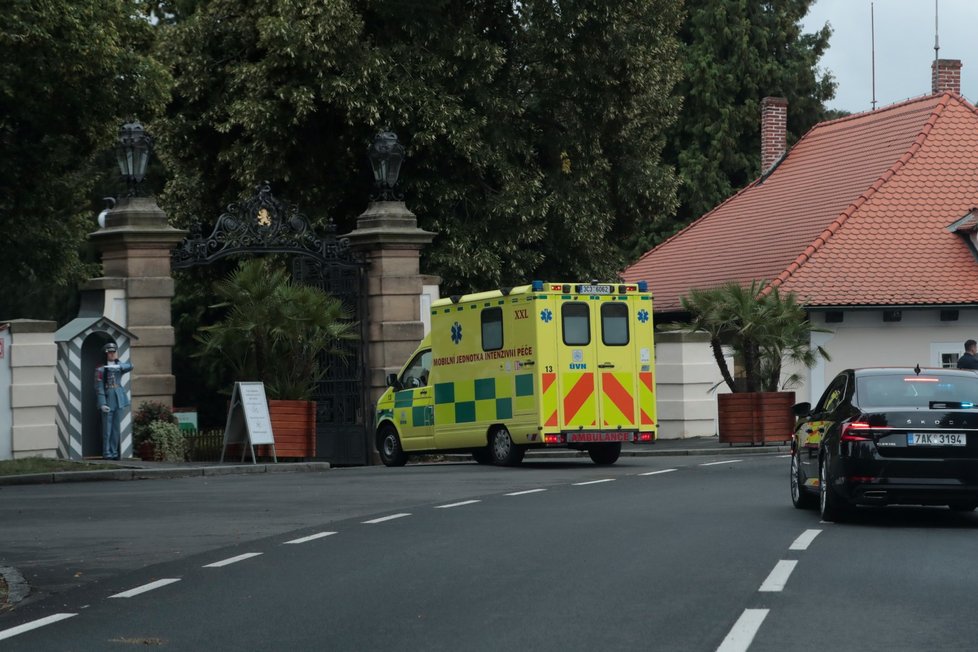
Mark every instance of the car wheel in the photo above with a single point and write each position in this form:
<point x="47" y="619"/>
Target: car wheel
<point x="391" y="453"/>
<point x="800" y="497"/>
<point x="503" y="451"/>
<point x="482" y="455"/>
<point x="831" y="506"/>
<point x="605" y="453"/>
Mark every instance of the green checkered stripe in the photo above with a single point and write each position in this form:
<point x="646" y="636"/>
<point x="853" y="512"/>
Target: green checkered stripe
<point x="482" y="399"/>
<point x="420" y="414"/>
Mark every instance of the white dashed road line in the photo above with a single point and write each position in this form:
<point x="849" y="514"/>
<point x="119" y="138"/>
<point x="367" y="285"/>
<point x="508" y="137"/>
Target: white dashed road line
<point x="779" y="576"/>
<point x="723" y="462"/>
<point x="145" y="587"/>
<point x="232" y="560"/>
<point x="658" y="472"/>
<point x="311" y="537"/>
<point x="744" y="630"/>
<point x="464" y="502"/>
<point x="581" y="484"/>
<point x="385" y="518"/>
<point x="805" y="540"/>
<point x="34" y="624"/>
<point x="523" y="493"/>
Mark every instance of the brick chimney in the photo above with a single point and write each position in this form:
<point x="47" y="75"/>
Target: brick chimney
<point x="945" y="76"/>
<point x="774" y="130"/>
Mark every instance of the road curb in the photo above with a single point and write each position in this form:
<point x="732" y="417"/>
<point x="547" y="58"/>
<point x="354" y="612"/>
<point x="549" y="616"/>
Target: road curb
<point x="160" y="474"/>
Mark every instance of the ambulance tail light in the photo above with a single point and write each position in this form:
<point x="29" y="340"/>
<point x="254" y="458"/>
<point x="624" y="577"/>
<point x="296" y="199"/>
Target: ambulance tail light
<point x="554" y="439"/>
<point x="644" y="438"/>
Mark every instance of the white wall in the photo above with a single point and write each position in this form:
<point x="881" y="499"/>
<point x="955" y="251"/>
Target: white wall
<point x="863" y="339"/>
<point x="685" y="369"/>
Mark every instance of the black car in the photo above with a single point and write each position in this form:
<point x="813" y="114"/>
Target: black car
<point x="888" y="436"/>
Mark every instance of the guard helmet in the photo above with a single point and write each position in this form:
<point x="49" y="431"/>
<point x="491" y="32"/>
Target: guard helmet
<point x="110" y="347"/>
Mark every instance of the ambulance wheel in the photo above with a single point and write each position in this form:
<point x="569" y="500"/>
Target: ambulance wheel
<point x="391" y="453"/>
<point x="605" y="453"/>
<point x="503" y="451"/>
<point x="482" y="455"/>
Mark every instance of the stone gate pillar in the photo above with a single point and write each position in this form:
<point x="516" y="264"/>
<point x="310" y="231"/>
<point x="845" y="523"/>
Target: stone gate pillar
<point x="387" y="234"/>
<point x="136" y="289"/>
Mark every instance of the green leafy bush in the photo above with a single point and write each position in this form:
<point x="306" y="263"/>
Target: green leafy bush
<point x="168" y="442"/>
<point x="149" y="412"/>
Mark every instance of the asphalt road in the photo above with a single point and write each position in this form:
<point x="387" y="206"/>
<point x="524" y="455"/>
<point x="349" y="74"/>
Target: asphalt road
<point x="693" y="553"/>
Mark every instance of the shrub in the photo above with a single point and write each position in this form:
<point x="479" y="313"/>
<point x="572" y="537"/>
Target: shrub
<point x="168" y="442"/>
<point x="149" y="412"/>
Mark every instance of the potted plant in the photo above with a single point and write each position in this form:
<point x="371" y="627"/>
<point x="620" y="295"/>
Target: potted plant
<point x="766" y="331"/>
<point x="278" y="331"/>
<point x="148" y="413"/>
<point x="169" y="444"/>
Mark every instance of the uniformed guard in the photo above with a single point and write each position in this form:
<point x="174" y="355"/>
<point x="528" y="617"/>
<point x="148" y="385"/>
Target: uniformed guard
<point x="112" y="399"/>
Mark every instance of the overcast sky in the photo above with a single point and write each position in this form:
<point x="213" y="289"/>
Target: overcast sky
<point x="904" y="32"/>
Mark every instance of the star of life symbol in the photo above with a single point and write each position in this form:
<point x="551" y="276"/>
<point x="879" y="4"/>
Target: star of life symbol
<point x="456" y="332"/>
<point x="546" y="315"/>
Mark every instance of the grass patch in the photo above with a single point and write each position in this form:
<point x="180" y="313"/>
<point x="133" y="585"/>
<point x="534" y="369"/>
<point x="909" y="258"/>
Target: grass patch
<point x="46" y="465"/>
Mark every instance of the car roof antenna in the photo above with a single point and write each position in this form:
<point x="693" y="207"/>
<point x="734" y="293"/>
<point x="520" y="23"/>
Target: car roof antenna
<point x="917" y="369"/>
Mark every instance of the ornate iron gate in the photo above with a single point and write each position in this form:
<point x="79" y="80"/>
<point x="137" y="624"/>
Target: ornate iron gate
<point x="263" y="224"/>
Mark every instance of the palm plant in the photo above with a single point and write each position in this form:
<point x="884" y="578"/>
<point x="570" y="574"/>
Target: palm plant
<point x="764" y="328"/>
<point x="275" y="330"/>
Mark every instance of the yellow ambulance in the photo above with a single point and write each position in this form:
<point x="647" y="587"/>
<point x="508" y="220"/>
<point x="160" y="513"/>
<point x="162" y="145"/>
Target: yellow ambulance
<point x="546" y="365"/>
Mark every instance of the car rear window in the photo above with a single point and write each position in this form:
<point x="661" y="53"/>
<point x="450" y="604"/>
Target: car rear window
<point x="910" y="390"/>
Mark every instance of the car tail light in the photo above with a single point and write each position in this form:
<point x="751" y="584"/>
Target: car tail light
<point x="644" y="436"/>
<point x="553" y="439"/>
<point x="856" y="431"/>
<point x="862" y="479"/>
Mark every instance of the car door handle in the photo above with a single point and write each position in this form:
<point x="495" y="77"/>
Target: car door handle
<point x="527" y="363"/>
<point x="423" y="392"/>
<point x="606" y="365"/>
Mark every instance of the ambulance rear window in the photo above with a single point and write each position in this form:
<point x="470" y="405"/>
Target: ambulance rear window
<point x="614" y="324"/>
<point x="576" y="324"/>
<point x="492" y="329"/>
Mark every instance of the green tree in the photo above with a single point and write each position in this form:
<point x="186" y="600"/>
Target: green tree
<point x="734" y="53"/>
<point x="70" y="72"/>
<point x="534" y="129"/>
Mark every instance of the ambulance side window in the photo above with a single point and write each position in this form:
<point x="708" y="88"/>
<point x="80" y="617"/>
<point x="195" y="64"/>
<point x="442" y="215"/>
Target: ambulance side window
<point x="492" y="329"/>
<point x="614" y="324"/>
<point x="416" y="373"/>
<point x="576" y="324"/>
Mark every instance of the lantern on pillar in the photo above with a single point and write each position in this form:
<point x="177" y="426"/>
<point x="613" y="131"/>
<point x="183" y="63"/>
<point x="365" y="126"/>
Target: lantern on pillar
<point x="386" y="156"/>
<point x="132" y="153"/>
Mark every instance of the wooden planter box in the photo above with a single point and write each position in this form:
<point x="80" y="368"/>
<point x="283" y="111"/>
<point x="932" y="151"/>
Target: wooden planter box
<point x="294" y="428"/>
<point x="755" y="417"/>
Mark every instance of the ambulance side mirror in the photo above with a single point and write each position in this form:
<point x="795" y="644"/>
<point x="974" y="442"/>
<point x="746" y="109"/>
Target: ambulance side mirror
<point x="392" y="381"/>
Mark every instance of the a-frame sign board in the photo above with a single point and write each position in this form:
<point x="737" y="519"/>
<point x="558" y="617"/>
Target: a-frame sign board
<point x="248" y="421"/>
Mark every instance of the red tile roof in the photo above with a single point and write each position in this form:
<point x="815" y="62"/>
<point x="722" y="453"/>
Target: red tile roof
<point x="857" y="214"/>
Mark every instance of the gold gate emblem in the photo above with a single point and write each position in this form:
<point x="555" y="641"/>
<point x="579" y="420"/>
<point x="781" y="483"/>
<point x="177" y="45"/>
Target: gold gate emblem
<point x="264" y="219"/>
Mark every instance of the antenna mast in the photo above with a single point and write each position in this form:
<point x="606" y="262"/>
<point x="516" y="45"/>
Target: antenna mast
<point x="872" y="40"/>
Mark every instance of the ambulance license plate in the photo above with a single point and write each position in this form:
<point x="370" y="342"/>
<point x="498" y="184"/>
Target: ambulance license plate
<point x="584" y="437"/>
<point x="594" y="289"/>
